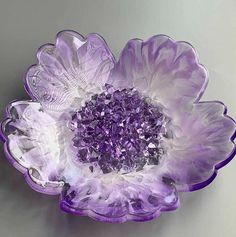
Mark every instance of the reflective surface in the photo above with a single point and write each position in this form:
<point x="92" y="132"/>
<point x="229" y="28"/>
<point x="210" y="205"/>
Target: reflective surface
<point x="210" y="28"/>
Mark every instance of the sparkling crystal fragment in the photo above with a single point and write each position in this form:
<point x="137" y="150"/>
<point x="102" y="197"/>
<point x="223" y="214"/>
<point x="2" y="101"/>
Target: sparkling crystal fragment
<point x="119" y="130"/>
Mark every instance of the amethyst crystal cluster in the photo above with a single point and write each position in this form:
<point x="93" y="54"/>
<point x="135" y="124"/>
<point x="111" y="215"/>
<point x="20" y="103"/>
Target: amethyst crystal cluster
<point x="118" y="130"/>
<point x="117" y="140"/>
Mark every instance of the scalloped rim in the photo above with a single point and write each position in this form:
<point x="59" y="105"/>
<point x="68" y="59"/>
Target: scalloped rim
<point x="127" y="217"/>
<point x="91" y="213"/>
<point x="12" y="160"/>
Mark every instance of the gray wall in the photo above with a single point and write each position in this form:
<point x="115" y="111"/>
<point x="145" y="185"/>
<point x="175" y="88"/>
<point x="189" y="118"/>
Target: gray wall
<point x="210" y="25"/>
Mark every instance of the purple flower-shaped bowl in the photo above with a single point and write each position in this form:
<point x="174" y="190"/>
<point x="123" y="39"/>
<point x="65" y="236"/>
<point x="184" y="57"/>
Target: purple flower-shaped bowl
<point x="117" y="140"/>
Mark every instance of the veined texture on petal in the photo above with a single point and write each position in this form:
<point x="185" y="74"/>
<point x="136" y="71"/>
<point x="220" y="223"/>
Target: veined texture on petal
<point x="32" y="145"/>
<point x="202" y="143"/>
<point x="118" y="198"/>
<point x="119" y="140"/>
<point x="69" y="70"/>
<point x="163" y="69"/>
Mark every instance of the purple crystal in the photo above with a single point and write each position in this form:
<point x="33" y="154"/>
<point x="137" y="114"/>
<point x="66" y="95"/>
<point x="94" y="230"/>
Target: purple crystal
<point x="118" y="130"/>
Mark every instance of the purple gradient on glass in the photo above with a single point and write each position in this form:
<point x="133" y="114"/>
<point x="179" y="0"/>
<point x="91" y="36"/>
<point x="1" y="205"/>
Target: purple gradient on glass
<point x="70" y="79"/>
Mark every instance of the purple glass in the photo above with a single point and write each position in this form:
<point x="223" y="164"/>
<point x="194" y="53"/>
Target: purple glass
<point x="117" y="140"/>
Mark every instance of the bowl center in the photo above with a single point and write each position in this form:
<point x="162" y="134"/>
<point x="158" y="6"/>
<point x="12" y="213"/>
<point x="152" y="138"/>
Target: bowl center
<point x="119" y="130"/>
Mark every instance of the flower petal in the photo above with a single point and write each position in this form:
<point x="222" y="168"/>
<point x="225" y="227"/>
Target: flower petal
<point x="68" y="70"/>
<point x="118" y="198"/>
<point x="161" y="68"/>
<point x="202" y="143"/>
<point x="31" y="145"/>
